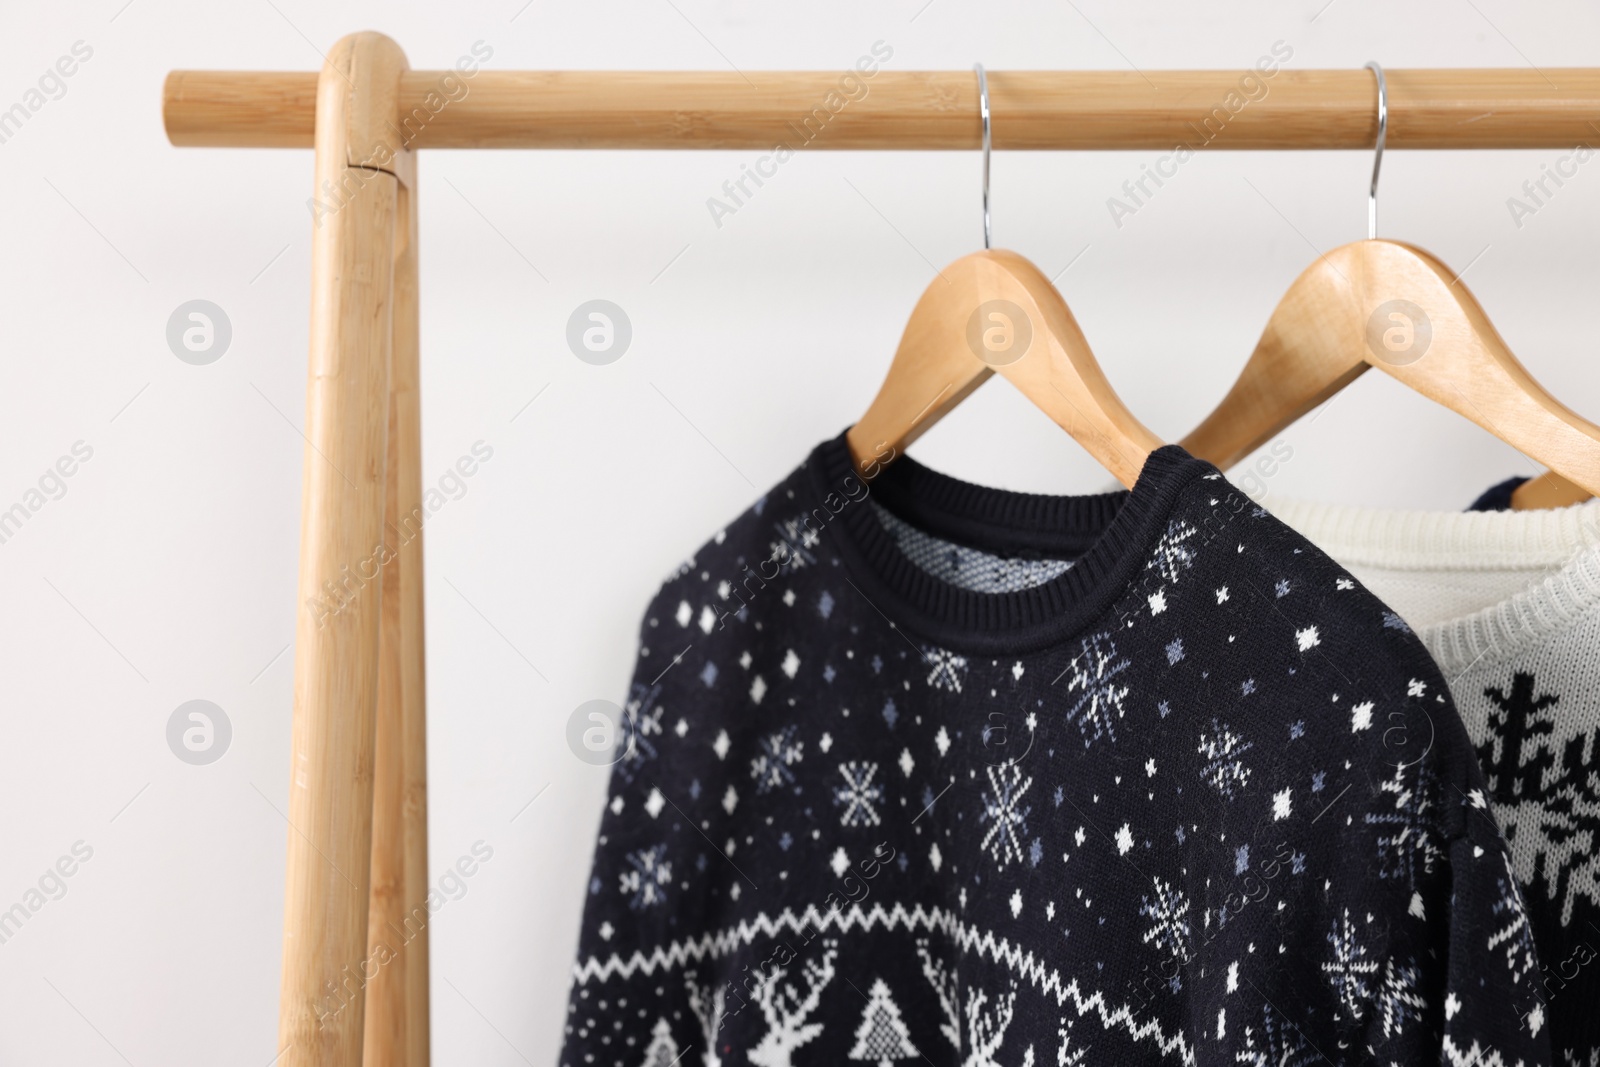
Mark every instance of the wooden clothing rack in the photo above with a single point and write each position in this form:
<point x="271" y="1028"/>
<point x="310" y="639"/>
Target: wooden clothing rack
<point x="355" y="957"/>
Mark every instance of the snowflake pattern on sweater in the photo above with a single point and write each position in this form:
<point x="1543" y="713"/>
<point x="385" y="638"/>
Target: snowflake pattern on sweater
<point x="1183" y="799"/>
<point x="1509" y="606"/>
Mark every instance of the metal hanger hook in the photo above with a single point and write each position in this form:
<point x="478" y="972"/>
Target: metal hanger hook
<point x="1377" y="158"/>
<point x="983" y="110"/>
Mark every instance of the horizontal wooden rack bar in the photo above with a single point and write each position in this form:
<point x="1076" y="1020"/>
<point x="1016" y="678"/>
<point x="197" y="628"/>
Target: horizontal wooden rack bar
<point x="1248" y="109"/>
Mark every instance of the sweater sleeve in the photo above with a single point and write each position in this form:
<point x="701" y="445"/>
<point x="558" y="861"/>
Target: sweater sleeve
<point x="648" y="885"/>
<point x="1420" y="954"/>
<point x="1360" y="906"/>
<point x="1478" y="997"/>
<point x="1492" y="1010"/>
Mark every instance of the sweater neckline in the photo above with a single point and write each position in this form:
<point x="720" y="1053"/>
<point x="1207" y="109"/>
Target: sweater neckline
<point x="1535" y="614"/>
<point x="1565" y="541"/>
<point x="1444" y="540"/>
<point x="1107" y="535"/>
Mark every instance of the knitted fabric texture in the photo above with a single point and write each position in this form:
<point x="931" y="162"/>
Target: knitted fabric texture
<point x="1189" y="800"/>
<point x="1525" y="672"/>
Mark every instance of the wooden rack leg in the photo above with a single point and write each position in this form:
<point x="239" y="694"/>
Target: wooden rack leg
<point x="397" y="1031"/>
<point x="414" y="725"/>
<point x="325" y="963"/>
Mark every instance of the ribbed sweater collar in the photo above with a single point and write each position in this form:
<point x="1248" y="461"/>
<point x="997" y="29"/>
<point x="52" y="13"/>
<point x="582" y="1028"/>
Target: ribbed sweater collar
<point x="1108" y="535"/>
<point x="1557" y="602"/>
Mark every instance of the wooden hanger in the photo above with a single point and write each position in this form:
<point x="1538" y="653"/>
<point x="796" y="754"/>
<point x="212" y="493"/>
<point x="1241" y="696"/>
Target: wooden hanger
<point x="1385" y="304"/>
<point x="1333" y="324"/>
<point x="937" y="365"/>
<point x="995" y="311"/>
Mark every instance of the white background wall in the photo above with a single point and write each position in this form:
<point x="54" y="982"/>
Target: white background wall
<point x="167" y="571"/>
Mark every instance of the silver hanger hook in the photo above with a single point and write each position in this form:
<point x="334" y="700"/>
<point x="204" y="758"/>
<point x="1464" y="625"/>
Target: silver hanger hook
<point x="1377" y="159"/>
<point x="983" y="109"/>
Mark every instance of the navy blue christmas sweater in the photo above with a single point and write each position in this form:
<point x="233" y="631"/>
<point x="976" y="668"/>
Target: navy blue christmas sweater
<point x="916" y="770"/>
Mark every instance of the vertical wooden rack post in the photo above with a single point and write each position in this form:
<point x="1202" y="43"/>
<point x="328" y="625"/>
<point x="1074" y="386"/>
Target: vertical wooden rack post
<point x="355" y="944"/>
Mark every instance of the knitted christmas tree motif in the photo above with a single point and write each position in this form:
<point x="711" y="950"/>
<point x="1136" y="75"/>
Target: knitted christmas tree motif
<point x="1557" y="804"/>
<point x="1514" y="755"/>
<point x="662" y="1050"/>
<point x="882" y="1035"/>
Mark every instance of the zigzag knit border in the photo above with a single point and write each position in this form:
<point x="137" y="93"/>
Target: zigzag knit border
<point x="968" y="938"/>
